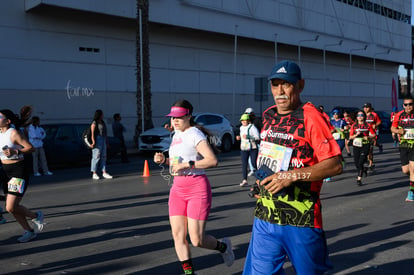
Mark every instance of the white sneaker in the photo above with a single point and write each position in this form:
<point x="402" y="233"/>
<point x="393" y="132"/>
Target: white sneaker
<point x="48" y="173"/>
<point x="106" y="175"/>
<point x="27" y="236"/>
<point x="95" y="176"/>
<point x="38" y="222"/>
<point x="228" y="255"/>
<point x="251" y="173"/>
<point x="37" y="174"/>
<point x="244" y="183"/>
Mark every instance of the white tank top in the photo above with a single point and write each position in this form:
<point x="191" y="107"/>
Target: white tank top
<point x="5" y="140"/>
<point x="183" y="149"/>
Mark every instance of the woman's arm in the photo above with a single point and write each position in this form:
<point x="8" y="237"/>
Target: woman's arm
<point x="93" y="128"/>
<point x="209" y="158"/>
<point x="17" y="138"/>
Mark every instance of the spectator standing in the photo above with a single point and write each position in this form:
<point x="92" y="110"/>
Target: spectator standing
<point x="118" y="129"/>
<point x="99" y="146"/>
<point x="36" y="136"/>
<point x="403" y="126"/>
<point x="16" y="175"/>
<point x="249" y="137"/>
<point x="190" y="195"/>
<point x="288" y="217"/>
<point x="361" y="134"/>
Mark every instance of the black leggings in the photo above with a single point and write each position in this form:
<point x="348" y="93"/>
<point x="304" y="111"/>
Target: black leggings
<point x="360" y="156"/>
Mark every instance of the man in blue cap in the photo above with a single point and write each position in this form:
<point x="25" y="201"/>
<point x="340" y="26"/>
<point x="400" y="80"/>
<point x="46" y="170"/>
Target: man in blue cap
<point x="288" y="218"/>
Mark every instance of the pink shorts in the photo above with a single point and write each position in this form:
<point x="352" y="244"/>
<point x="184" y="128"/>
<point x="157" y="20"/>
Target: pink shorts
<point x="190" y="196"/>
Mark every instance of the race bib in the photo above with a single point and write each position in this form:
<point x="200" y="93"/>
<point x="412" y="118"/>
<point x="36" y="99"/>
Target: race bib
<point x="16" y="185"/>
<point x="357" y="142"/>
<point x="173" y="161"/>
<point x="274" y="156"/>
<point x="336" y="136"/>
<point x="408" y="134"/>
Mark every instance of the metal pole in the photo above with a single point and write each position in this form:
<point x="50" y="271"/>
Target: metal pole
<point x="142" y="71"/>
<point x="306" y="40"/>
<point x="375" y="70"/>
<point x="350" y="65"/>
<point x="234" y="74"/>
<point x="350" y="72"/>
<point x="275" y="48"/>
<point x="324" y="62"/>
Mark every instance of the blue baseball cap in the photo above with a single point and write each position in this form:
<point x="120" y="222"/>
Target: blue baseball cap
<point x="286" y="70"/>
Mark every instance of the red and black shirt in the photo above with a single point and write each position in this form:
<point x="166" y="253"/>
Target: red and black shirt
<point x="306" y="131"/>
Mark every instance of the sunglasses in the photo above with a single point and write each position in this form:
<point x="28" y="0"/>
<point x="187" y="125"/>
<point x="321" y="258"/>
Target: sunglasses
<point x="408" y="104"/>
<point x="360" y="115"/>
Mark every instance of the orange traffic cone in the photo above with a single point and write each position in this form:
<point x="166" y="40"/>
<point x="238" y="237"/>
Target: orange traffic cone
<point x="146" y="169"/>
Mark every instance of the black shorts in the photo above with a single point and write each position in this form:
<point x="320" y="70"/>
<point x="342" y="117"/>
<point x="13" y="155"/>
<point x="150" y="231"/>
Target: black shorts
<point x="406" y="155"/>
<point x="346" y="135"/>
<point x="15" y="178"/>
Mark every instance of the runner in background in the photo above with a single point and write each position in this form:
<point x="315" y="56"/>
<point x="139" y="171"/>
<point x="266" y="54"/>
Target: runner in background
<point x="374" y="121"/>
<point x="403" y="126"/>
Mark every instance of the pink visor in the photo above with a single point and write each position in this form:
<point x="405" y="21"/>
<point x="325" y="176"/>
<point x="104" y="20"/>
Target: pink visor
<point x="178" y="112"/>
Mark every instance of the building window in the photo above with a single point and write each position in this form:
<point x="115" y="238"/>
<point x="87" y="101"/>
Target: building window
<point x="379" y="9"/>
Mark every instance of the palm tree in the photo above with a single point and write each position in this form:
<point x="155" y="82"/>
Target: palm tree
<point x="143" y="5"/>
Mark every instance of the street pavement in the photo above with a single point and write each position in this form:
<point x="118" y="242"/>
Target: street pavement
<point x="120" y="226"/>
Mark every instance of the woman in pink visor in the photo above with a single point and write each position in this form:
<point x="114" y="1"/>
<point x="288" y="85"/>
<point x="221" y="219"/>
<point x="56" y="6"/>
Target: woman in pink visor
<point x="190" y="195"/>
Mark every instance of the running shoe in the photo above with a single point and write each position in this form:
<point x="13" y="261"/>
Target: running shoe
<point x="327" y="180"/>
<point x="410" y="196"/>
<point x="27" y="236"/>
<point x="95" y="176"/>
<point x="38" y="222"/>
<point x="228" y="255"/>
<point x="244" y="183"/>
<point x="48" y="173"/>
<point x="37" y="174"/>
<point x="251" y="173"/>
<point x="105" y="175"/>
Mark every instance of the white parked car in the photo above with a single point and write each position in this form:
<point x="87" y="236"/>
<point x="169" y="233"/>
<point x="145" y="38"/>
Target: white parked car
<point x="159" y="138"/>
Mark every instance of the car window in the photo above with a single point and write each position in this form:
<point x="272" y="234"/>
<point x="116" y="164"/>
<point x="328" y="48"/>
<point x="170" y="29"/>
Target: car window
<point x="214" y="120"/>
<point x="65" y="133"/>
<point x="202" y="119"/>
<point x="50" y="131"/>
<point x="209" y="120"/>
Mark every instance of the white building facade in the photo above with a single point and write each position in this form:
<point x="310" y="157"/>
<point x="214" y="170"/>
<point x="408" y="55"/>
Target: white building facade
<point x="68" y="58"/>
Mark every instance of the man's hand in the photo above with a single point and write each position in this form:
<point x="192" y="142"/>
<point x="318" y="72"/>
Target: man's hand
<point x="276" y="182"/>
